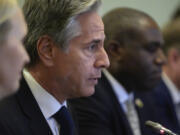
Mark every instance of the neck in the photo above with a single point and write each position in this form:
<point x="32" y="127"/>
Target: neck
<point x="124" y="80"/>
<point x="47" y="81"/>
<point x="172" y="76"/>
<point x="169" y="73"/>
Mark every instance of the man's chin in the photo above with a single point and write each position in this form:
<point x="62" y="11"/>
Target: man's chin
<point x="150" y="84"/>
<point x="11" y="89"/>
<point x="88" y="92"/>
<point x="6" y="93"/>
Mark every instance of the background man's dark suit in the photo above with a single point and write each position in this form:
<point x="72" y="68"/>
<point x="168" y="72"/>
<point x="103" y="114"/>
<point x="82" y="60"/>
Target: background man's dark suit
<point x="165" y="107"/>
<point x="21" y="115"/>
<point x="101" y="114"/>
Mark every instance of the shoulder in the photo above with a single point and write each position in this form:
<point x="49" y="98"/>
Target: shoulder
<point x="7" y="104"/>
<point x="8" y="108"/>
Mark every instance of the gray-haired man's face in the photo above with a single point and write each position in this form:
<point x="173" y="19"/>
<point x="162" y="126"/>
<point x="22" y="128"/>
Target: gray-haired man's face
<point x="80" y="67"/>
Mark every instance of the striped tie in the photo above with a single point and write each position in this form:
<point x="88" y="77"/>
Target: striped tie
<point x="132" y="117"/>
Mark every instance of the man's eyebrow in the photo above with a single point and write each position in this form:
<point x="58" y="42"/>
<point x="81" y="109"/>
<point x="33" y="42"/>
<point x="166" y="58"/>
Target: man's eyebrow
<point x="98" y="40"/>
<point x="157" y="44"/>
<point x="94" y="41"/>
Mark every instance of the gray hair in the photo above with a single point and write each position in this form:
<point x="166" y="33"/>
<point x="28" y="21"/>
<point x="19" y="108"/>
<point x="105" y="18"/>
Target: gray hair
<point x="55" y="18"/>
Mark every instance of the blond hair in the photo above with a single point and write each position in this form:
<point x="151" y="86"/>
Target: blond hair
<point x="7" y="8"/>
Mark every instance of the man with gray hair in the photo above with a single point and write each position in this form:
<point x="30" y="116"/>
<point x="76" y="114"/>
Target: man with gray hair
<point x="65" y="44"/>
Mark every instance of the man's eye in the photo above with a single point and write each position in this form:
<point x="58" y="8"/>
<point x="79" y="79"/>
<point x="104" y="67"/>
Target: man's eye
<point x="152" y="48"/>
<point x="92" y="47"/>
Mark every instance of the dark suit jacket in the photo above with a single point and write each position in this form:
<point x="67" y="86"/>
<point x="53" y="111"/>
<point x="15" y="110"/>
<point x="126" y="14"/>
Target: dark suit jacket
<point x="101" y="114"/>
<point x="165" y="107"/>
<point x="20" y="114"/>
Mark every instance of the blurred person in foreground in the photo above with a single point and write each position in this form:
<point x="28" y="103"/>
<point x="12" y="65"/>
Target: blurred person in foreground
<point x="133" y="43"/>
<point x="12" y="53"/>
<point x="65" y="42"/>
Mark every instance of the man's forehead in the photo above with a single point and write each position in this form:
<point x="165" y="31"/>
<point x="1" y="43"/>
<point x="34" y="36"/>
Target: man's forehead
<point x="91" y="19"/>
<point x="91" y="25"/>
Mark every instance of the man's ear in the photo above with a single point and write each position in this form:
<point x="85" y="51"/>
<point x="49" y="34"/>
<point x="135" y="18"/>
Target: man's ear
<point x="45" y="47"/>
<point x="115" y="49"/>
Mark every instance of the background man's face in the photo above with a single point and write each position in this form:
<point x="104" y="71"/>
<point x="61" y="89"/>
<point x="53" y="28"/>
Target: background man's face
<point x="143" y="59"/>
<point x="77" y="70"/>
<point x="177" y="71"/>
<point x="172" y="68"/>
<point x="13" y="55"/>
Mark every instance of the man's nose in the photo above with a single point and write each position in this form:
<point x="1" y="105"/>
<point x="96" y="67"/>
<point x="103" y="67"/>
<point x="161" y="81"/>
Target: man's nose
<point x="102" y="59"/>
<point x="24" y="55"/>
<point x="160" y="58"/>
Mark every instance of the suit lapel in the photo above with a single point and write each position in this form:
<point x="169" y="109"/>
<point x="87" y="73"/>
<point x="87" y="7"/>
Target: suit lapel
<point x="122" y="119"/>
<point x="166" y="106"/>
<point x="169" y="101"/>
<point x="31" y="109"/>
<point x="145" y="111"/>
<point x="159" y="103"/>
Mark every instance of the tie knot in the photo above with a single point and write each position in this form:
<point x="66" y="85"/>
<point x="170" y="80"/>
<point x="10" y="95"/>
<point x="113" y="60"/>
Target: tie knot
<point x="64" y="119"/>
<point x="63" y="112"/>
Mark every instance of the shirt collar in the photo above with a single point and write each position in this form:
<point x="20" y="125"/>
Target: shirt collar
<point x="47" y="103"/>
<point x="119" y="90"/>
<point x="172" y="88"/>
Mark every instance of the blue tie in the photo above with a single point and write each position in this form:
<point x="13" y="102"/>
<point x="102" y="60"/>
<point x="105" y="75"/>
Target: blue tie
<point x="65" y="121"/>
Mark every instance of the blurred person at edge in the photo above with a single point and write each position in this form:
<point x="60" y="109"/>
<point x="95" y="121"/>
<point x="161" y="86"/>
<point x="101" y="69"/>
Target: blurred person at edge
<point x="168" y="91"/>
<point x="12" y="53"/>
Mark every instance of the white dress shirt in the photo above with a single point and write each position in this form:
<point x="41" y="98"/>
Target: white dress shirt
<point x="120" y="92"/>
<point x="174" y="91"/>
<point x="47" y="103"/>
<point x="124" y="97"/>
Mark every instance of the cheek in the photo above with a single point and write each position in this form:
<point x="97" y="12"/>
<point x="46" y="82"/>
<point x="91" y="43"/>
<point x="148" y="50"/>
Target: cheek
<point x="146" y="61"/>
<point x="8" y="76"/>
<point x="177" y="72"/>
<point x="177" y="66"/>
<point x="141" y="65"/>
<point x="6" y="61"/>
<point x="3" y="74"/>
<point x="10" y="61"/>
<point x="82" y="62"/>
<point x="73" y="68"/>
<point x="13" y="54"/>
<point x="81" y="70"/>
